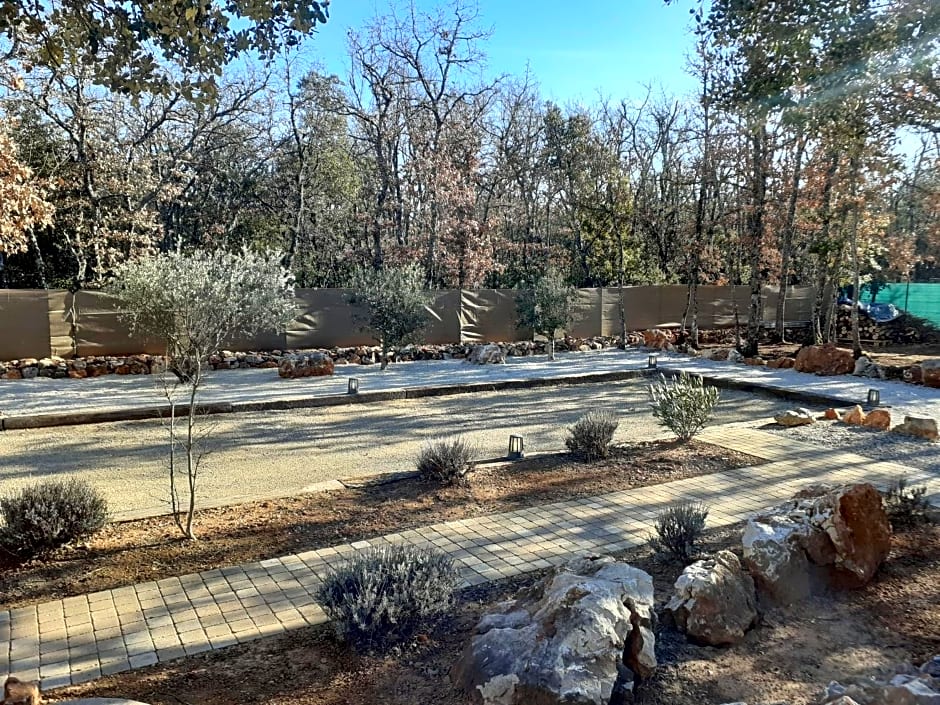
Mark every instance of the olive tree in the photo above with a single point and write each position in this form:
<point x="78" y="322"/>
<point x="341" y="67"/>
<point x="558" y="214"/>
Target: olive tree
<point x="392" y="304"/>
<point x="195" y="303"/>
<point x="546" y="307"/>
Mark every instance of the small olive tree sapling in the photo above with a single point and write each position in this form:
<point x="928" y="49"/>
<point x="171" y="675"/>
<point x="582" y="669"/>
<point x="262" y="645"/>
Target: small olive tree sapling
<point x="392" y="304"/>
<point x="195" y="302"/>
<point x="546" y="307"/>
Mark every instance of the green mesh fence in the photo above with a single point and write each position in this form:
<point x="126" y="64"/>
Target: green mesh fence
<point x="918" y="299"/>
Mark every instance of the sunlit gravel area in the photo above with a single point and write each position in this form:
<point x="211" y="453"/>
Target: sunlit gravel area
<point x="897" y="448"/>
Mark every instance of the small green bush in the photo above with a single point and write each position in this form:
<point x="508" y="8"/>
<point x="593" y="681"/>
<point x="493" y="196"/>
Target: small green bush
<point x="678" y="530"/>
<point x="447" y="462"/>
<point x="906" y="506"/>
<point x="591" y="435"/>
<point x="385" y="595"/>
<point x="50" y="514"/>
<point x="683" y="405"/>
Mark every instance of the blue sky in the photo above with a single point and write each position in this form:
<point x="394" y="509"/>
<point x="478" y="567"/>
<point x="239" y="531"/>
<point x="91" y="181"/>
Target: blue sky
<point x="574" y="49"/>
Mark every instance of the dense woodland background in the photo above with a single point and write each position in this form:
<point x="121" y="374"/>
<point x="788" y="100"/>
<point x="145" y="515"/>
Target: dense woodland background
<point x="810" y="155"/>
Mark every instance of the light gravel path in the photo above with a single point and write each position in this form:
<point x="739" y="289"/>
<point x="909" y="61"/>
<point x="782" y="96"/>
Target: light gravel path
<point x="893" y="447"/>
<point x="44" y="396"/>
<point x="276" y="453"/>
<point x="899" y="396"/>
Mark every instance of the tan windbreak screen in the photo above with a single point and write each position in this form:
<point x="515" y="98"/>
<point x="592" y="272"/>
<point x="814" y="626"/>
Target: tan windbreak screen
<point x="24" y="324"/>
<point x="39" y="323"/>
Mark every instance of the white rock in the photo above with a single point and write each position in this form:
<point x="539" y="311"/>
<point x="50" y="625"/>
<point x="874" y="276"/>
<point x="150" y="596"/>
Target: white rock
<point x="714" y="601"/>
<point x="572" y="638"/>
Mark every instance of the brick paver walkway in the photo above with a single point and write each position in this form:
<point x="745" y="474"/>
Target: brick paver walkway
<point x="81" y="638"/>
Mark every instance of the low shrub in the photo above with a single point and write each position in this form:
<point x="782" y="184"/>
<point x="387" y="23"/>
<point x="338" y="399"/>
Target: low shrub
<point x="591" y="435"/>
<point x="906" y="506"/>
<point x="678" y="530"/>
<point x="683" y="404"/>
<point x="446" y="462"/>
<point x="385" y="595"/>
<point x="41" y="518"/>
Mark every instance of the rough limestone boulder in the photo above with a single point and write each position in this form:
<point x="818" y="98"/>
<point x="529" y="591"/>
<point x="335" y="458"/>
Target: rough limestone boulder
<point x="879" y="419"/>
<point x="723" y="355"/>
<point x="582" y="633"/>
<point x="774" y="555"/>
<point x="489" y="354"/>
<point x="795" y="417"/>
<point x="864" y="367"/>
<point x="312" y="365"/>
<point x="714" y="601"/>
<point x="835" y="537"/>
<point x="926" y="372"/>
<point x="824" y="360"/>
<point x="657" y="339"/>
<point x="919" y="426"/>
<point x="831" y="414"/>
<point x="781" y="363"/>
<point x="856" y="525"/>
<point x="854" y="416"/>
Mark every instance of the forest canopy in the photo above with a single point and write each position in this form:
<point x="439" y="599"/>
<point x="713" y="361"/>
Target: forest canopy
<point x="809" y="153"/>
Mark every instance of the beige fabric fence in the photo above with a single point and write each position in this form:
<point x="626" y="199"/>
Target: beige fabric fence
<point x="40" y="323"/>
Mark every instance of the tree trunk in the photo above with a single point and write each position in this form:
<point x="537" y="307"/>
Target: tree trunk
<point x="825" y="249"/>
<point x="192" y="463"/>
<point x="755" y="231"/>
<point x="786" y="246"/>
<point x="384" y="354"/>
<point x="854" y="168"/>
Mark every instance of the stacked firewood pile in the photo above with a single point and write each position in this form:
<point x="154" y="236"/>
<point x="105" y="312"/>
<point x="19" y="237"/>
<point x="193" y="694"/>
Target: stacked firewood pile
<point x="904" y="330"/>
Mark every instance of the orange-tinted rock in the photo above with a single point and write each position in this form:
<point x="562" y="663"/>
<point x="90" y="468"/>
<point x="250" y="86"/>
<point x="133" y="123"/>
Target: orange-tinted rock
<point x="926" y="373"/>
<point x="854" y="416"/>
<point x="824" y="359"/>
<point x="78" y="374"/>
<point x="860" y="533"/>
<point x="832" y="415"/>
<point x="13" y="374"/>
<point x="754" y="361"/>
<point x="878" y="418"/>
<point x="657" y="339"/>
<point x="919" y="426"/>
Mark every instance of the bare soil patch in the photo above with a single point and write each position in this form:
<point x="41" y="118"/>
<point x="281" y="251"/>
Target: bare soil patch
<point x="790" y="656"/>
<point x="138" y="551"/>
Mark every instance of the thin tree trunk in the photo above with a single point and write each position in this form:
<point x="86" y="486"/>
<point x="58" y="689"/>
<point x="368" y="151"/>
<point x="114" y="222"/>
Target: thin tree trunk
<point x="786" y="246"/>
<point x="755" y="232"/>
<point x="824" y="233"/>
<point x="853" y="243"/>
<point x="192" y="462"/>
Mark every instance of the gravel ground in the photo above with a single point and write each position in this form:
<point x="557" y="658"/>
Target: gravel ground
<point x="257" y="455"/>
<point x="879" y="445"/>
<point x="36" y="396"/>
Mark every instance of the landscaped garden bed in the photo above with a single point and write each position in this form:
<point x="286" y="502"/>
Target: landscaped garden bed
<point x="790" y="656"/>
<point x="151" y="549"/>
